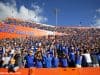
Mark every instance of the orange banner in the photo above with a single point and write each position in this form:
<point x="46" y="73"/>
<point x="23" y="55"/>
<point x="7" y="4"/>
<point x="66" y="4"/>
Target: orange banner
<point x="13" y="31"/>
<point x="53" y="71"/>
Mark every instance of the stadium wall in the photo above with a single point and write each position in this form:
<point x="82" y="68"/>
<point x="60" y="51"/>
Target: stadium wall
<point x="53" y="71"/>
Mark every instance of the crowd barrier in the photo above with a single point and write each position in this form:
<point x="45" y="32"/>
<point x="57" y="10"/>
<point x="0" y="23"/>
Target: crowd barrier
<point x="53" y="71"/>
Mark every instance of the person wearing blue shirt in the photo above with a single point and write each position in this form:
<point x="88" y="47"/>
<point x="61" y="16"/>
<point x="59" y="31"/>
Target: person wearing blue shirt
<point x="29" y="60"/>
<point x="44" y="58"/>
<point x="55" y="60"/>
<point x="64" y="61"/>
<point x="98" y="57"/>
<point x="1" y="50"/>
<point x="78" y="59"/>
<point x="72" y="58"/>
<point x="39" y="63"/>
<point x="50" y="51"/>
<point x="57" y="46"/>
<point x="48" y="61"/>
<point x="66" y="50"/>
<point x="39" y="60"/>
<point x="35" y="48"/>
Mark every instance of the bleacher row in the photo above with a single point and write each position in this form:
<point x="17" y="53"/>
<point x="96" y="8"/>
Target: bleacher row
<point x="63" y="29"/>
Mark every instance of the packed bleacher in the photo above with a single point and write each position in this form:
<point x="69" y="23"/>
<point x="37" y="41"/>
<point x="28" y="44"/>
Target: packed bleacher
<point x="63" y="29"/>
<point x="18" y="22"/>
<point x="81" y="48"/>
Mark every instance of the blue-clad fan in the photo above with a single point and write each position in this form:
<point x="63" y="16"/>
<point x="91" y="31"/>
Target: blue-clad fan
<point x="29" y="60"/>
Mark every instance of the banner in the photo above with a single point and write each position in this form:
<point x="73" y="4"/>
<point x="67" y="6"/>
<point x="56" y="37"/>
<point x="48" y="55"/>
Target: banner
<point x="52" y="71"/>
<point x="14" y="31"/>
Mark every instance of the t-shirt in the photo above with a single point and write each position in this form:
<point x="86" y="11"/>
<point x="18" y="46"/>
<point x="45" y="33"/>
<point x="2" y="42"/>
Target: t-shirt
<point x="39" y="64"/>
<point x="48" y="62"/>
<point x="44" y="58"/>
<point x="72" y="56"/>
<point x="6" y="60"/>
<point x="57" y="46"/>
<point x="79" y="60"/>
<point x="35" y="49"/>
<point x="87" y="57"/>
<point x="55" y="62"/>
<point x="98" y="56"/>
<point x="64" y="62"/>
<point x="1" y="51"/>
<point x="77" y="49"/>
<point x="66" y="50"/>
<point x="94" y="59"/>
<point x="29" y="61"/>
<point x="50" y="52"/>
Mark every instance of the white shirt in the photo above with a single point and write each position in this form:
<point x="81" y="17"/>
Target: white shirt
<point x="6" y="60"/>
<point x="12" y="51"/>
<point x="87" y="57"/>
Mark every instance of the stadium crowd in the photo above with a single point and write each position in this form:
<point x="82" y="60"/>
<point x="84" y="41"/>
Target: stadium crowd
<point x="17" y="22"/>
<point x="51" y="52"/>
<point x="63" y="29"/>
<point x="80" y="48"/>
